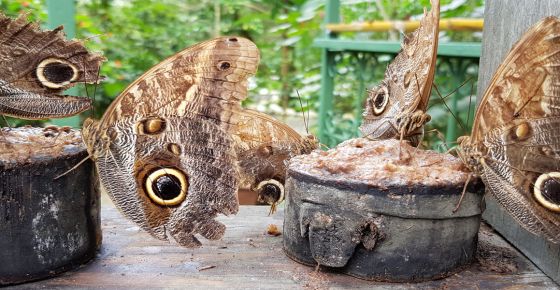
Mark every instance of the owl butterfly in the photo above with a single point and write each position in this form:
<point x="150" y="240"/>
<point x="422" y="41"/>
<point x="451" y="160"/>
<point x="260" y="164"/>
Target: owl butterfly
<point x="397" y="107"/>
<point x="172" y="149"/>
<point x="515" y="142"/>
<point x="37" y="66"/>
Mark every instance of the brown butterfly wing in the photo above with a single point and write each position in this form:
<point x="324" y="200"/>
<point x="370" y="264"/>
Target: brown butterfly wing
<point x="202" y="79"/>
<point x="170" y="123"/>
<point x="38" y="65"/>
<point x="264" y="145"/>
<point x="172" y="180"/>
<point x="517" y="131"/>
<point x="407" y="85"/>
<point x="526" y="84"/>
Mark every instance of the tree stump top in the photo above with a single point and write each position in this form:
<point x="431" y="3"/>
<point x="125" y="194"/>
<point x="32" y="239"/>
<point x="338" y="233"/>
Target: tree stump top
<point x="27" y="145"/>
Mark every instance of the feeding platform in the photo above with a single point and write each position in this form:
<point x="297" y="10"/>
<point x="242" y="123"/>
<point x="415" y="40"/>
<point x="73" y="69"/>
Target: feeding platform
<point x="248" y="258"/>
<point x="382" y="210"/>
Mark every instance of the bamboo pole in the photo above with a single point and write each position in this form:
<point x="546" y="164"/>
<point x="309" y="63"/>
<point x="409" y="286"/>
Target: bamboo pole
<point x="454" y="24"/>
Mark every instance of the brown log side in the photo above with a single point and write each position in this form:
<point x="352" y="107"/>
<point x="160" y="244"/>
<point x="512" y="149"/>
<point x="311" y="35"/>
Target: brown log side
<point x="47" y="226"/>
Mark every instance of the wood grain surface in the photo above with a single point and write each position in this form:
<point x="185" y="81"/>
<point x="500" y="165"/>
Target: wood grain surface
<point x="246" y="258"/>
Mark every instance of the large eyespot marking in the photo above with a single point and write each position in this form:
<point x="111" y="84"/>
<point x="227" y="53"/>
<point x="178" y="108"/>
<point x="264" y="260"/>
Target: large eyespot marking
<point x="270" y="191"/>
<point x="56" y="73"/>
<point x="522" y="131"/>
<point x="167" y="186"/>
<point x="379" y="101"/>
<point x="224" y="65"/>
<point x="151" y="126"/>
<point x="547" y="191"/>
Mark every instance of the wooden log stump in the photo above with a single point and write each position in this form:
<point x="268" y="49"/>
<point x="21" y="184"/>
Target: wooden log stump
<point x="363" y="210"/>
<point x="47" y="225"/>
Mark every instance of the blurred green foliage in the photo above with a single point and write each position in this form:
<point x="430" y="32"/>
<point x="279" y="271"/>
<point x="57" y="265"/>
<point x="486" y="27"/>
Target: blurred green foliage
<point x="137" y="34"/>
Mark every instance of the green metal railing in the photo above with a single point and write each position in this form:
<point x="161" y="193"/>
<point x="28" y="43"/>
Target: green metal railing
<point x="357" y="60"/>
<point x="63" y="12"/>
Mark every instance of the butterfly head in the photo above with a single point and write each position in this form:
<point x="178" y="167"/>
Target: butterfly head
<point x="310" y="143"/>
<point x="470" y="154"/>
<point x="96" y="139"/>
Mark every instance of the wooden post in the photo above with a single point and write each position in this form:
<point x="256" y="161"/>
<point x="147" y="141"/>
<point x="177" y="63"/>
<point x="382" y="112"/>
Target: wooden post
<point x="505" y="22"/>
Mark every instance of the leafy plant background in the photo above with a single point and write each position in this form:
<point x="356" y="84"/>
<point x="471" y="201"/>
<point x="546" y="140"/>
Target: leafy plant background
<point x="137" y="34"/>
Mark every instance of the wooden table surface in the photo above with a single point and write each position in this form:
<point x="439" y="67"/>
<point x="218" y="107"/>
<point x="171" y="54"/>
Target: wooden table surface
<point x="248" y="258"/>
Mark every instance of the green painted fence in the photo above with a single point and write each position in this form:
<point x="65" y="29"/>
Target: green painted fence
<point x="357" y="60"/>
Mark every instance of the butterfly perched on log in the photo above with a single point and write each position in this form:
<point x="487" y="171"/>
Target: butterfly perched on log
<point x="515" y="141"/>
<point x="173" y="148"/>
<point x="37" y="66"/>
<point x="397" y="107"/>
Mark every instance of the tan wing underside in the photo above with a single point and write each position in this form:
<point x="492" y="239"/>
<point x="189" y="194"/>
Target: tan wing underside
<point x="415" y="65"/>
<point x="23" y="45"/>
<point x="254" y="128"/>
<point x="527" y="84"/>
<point x="191" y="82"/>
<point x="408" y="80"/>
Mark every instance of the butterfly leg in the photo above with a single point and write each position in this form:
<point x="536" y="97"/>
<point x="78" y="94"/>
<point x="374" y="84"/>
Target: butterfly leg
<point x="463" y="193"/>
<point x="411" y="126"/>
<point x="7" y="122"/>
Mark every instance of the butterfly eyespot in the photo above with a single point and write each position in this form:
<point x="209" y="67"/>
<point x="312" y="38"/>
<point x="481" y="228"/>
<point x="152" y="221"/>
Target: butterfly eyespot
<point x="379" y="102"/>
<point x="174" y="148"/>
<point x="224" y="65"/>
<point x="547" y="191"/>
<point x="270" y="191"/>
<point x="55" y="73"/>
<point x="166" y="186"/>
<point x="151" y="126"/>
<point x="522" y="131"/>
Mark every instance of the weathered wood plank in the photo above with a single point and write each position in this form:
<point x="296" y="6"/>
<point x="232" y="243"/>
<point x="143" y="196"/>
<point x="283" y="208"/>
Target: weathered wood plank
<point x="246" y="258"/>
<point x="505" y="21"/>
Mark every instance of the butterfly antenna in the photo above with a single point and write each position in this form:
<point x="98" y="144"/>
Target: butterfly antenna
<point x="462" y="193"/>
<point x="6" y="121"/>
<point x="96" y="83"/>
<point x="71" y="169"/>
<point x="470" y="103"/>
<point x="449" y="109"/>
<point x="303" y="112"/>
<point x="518" y="112"/>
<point x="308" y="110"/>
<point x="456" y="89"/>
